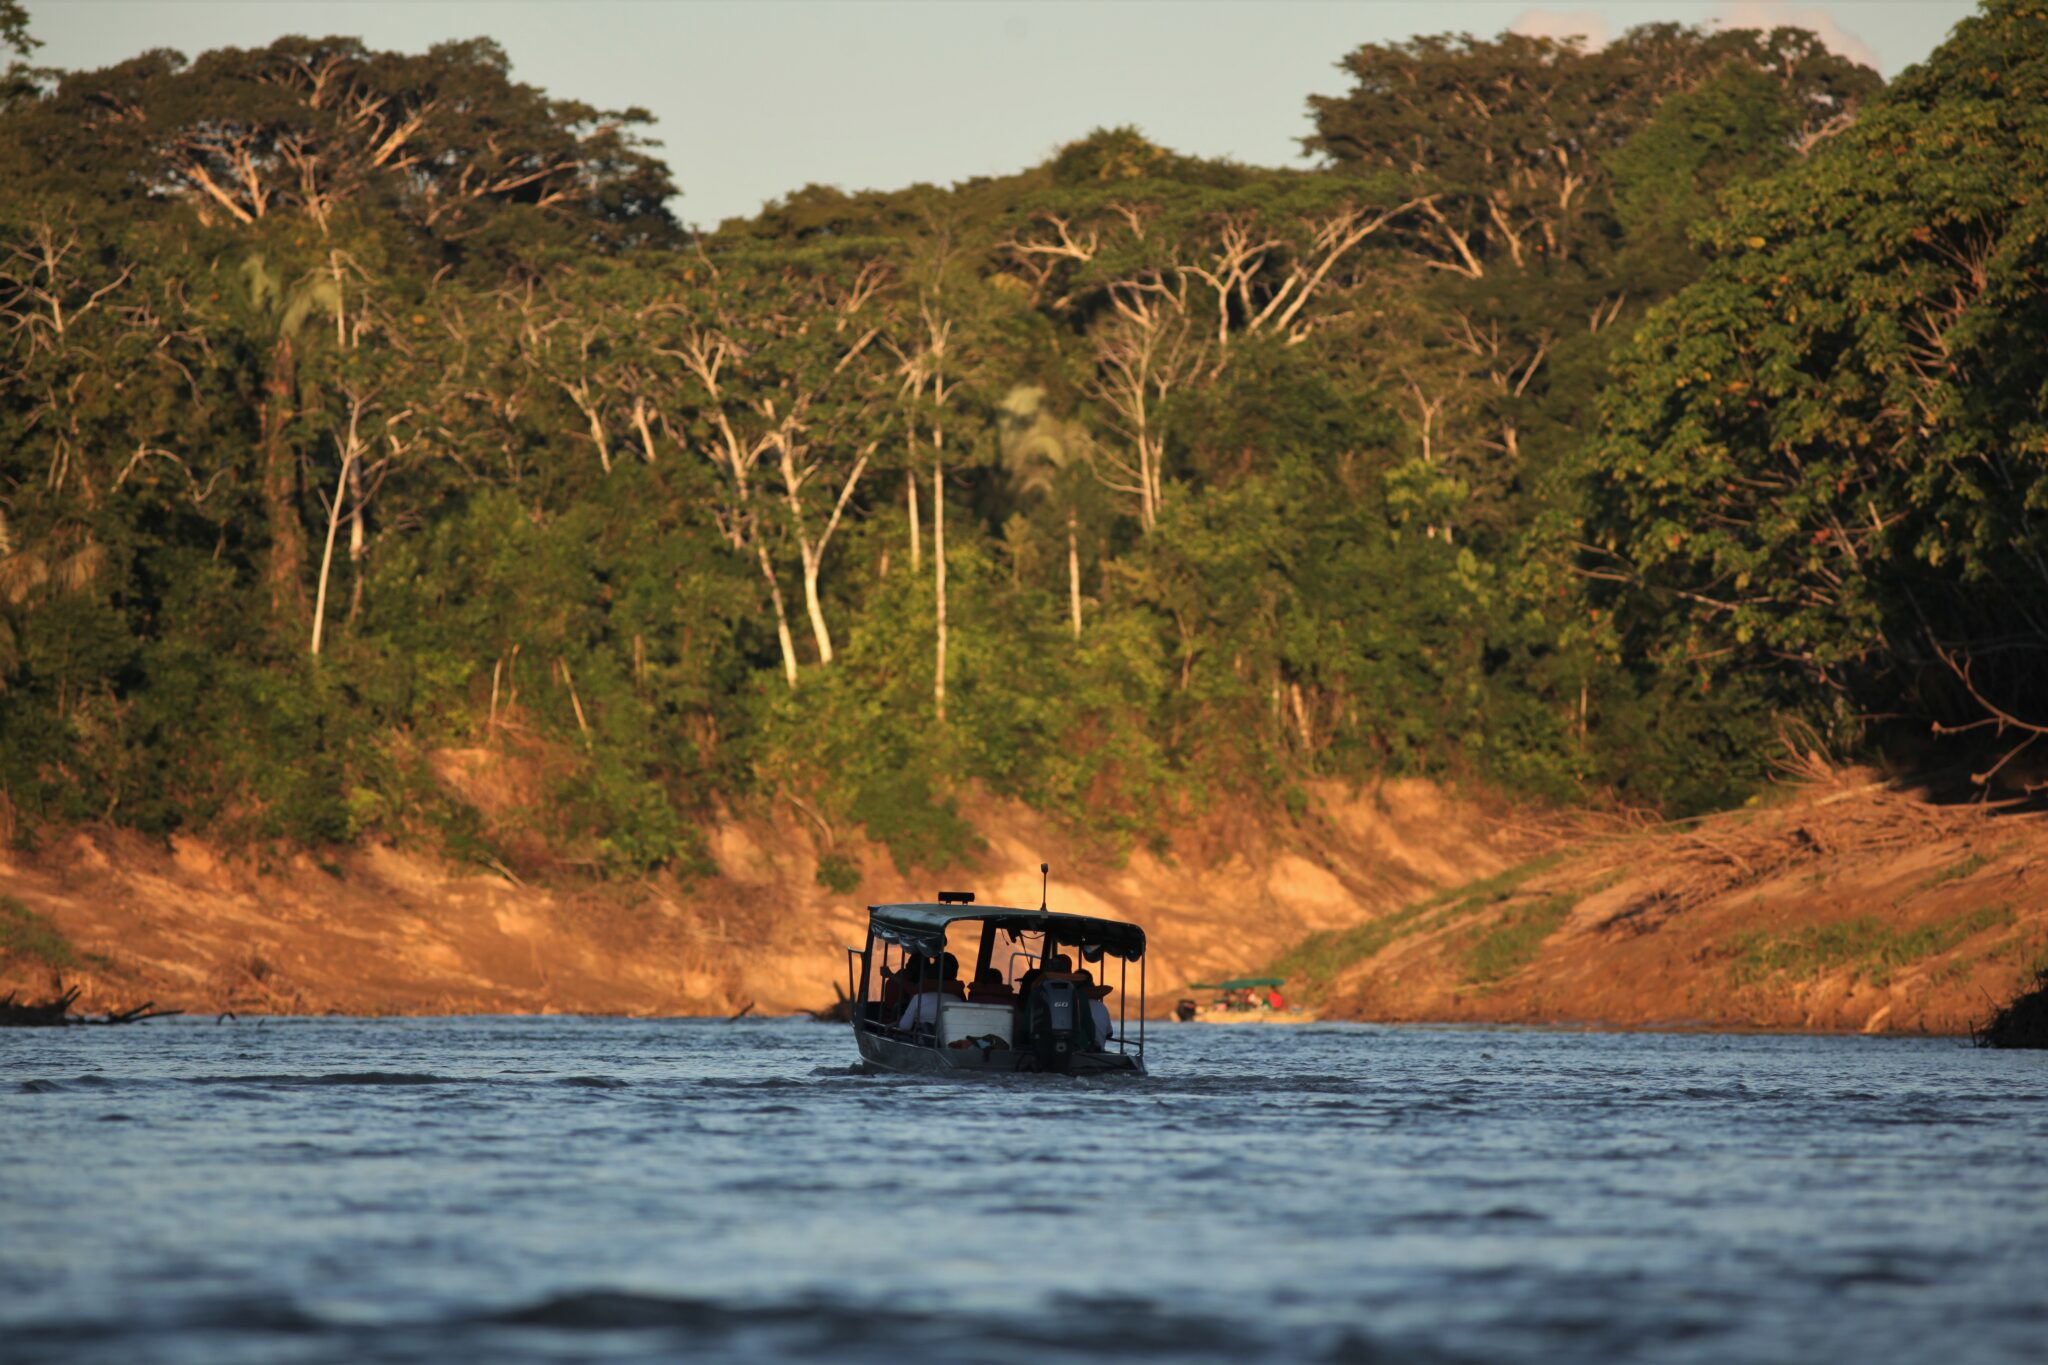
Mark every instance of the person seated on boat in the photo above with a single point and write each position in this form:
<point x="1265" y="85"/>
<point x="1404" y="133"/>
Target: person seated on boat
<point x="899" y="985"/>
<point x="1032" y="976"/>
<point x="923" y="1009"/>
<point x="1098" y="1013"/>
<point x="990" y="989"/>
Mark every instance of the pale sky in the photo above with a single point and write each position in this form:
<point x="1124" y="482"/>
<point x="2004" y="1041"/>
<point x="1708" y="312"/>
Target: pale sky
<point x="755" y="98"/>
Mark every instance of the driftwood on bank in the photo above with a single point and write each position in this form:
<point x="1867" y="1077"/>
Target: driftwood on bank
<point x="2023" y="1023"/>
<point x="840" y="1011"/>
<point x="56" y="1012"/>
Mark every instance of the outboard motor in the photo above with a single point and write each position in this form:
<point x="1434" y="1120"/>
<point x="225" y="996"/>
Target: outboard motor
<point x="1058" y="1023"/>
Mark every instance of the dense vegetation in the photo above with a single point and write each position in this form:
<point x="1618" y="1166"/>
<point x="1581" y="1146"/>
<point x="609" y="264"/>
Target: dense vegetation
<point x="1578" y="420"/>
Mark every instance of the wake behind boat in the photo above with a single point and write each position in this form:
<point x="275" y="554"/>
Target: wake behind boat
<point x="1031" y="1000"/>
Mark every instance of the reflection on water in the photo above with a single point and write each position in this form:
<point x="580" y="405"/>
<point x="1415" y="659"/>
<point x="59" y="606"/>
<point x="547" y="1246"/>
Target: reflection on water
<point x="341" y="1190"/>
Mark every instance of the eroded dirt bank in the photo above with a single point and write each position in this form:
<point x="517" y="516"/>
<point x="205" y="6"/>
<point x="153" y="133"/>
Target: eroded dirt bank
<point x="1843" y="905"/>
<point x="380" y="930"/>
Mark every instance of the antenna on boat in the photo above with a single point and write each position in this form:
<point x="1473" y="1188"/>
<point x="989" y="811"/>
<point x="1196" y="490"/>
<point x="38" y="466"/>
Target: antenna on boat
<point x="1044" y="875"/>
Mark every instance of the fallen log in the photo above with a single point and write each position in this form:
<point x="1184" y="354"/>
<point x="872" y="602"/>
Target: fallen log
<point x="2023" y="1022"/>
<point x="56" y="1012"/>
<point x="840" y="1011"/>
<point x="44" y="1014"/>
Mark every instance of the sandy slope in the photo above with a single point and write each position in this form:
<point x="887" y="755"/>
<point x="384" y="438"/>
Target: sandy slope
<point x="383" y="930"/>
<point x="1845" y="905"/>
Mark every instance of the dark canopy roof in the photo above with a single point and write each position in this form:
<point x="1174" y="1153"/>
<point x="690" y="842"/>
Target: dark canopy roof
<point x="1238" y="983"/>
<point x="921" y="926"/>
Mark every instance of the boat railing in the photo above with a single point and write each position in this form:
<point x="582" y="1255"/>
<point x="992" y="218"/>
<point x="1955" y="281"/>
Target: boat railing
<point x="1125" y="1044"/>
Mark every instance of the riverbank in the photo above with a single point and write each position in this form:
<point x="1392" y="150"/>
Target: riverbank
<point x="383" y="929"/>
<point x="1845" y="904"/>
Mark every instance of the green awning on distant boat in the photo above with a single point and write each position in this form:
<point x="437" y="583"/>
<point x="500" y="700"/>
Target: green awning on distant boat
<point x="1238" y="983"/>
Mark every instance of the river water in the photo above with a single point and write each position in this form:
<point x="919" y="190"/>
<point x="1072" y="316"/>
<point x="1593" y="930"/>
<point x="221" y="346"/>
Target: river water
<point x="573" y="1189"/>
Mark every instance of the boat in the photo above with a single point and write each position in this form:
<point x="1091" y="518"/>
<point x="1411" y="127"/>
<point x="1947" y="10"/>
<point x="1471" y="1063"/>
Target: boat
<point x="1023" y="1013"/>
<point x="1239" y="1000"/>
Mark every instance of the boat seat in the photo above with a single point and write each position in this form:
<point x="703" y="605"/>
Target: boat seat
<point x="969" y="1019"/>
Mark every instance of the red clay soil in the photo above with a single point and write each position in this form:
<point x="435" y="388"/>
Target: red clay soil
<point x="1843" y="906"/>
<point x="382" y="930"/>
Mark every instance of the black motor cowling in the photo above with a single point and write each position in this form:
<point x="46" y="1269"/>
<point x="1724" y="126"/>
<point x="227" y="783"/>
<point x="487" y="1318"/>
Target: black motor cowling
<point x="1058" y="1021"/>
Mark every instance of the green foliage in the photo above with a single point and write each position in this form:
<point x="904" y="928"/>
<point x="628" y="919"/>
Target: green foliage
<point x="1314" y="963"/>
<point x="1732" y="127"/>
<point x="837" y="873"/>
<point x="1966" y="866"/>
<point x="1819" y="467"/>
<point x="1867" y="946"/>
<point x="1516" y="134"/>
<point x="1114" y="156"/>
<point x="24" y="933"/>
<point x="1514" y="941"/>
<point x="1249" y="476"/>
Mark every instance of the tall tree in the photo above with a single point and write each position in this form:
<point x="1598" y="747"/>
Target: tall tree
<point x="445" y="142"/>
<point x="1510" y="136"/>
<point x="1824" y="461"/>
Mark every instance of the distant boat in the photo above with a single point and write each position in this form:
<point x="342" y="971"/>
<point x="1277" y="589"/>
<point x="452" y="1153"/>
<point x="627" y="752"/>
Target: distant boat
<point x="1238" y="1000"/>
<point x="1031" y="1001"/>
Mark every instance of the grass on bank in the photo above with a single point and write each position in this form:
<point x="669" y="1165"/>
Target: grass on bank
<point x="1314" y="963"/>
<point x="1966" y="866"/>
<point x="1513" y="943"/>
<point x="24" y="933"/>
<point x="1873" y="949"/>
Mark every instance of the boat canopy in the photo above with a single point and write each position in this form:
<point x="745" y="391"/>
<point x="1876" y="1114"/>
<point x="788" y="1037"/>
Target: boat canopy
<point x="1239" y="983"/>
<point x="921" y="927"/>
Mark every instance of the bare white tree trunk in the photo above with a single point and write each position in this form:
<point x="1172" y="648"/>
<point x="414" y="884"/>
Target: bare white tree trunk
<point x="1073" y="573"/>
<point x="782" y="634"/>
<point x="812" y="552"/>
<point x="358" y="540"/>
<point x="821" y="634"/>
<point x="910" y="493"/>
<point x="1151" y="455"/>
<point x="1302" y="724"/>
<point x="348" y="460"/>
<point x="591" y="406"/>
<point x="939" y="566"/>
<point x="705" y="354"/>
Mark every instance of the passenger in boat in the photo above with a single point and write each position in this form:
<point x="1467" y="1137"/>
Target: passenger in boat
<point x="899" y="985"/>
<point x="1098" y="1013"/>
<point x="921" y="1012"/>
<point x="1032" y="976"/>
<point x="923" y="1009"/>
<point x="989" y="989"/>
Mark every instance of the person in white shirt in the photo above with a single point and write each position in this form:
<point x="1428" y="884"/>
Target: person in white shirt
<point x="1098" y="1013"/>
<point x="923" y="1008"/>
<point x="921" y="1012"/>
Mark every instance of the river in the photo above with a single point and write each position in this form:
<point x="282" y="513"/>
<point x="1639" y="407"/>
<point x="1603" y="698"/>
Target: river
<point x="607" y="1189"/>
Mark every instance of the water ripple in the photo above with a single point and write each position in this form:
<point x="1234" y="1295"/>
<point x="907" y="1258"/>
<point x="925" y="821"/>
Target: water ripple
<point x="552" y="1189"/>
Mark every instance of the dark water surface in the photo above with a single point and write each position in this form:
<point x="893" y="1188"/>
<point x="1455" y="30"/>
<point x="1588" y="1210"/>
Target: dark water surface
<point x="513" y="1189"/>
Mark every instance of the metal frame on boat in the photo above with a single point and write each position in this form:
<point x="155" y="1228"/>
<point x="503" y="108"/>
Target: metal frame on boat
<point x="993" y="1037"/>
